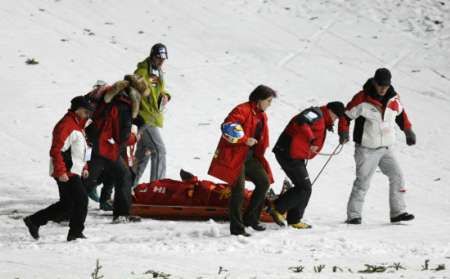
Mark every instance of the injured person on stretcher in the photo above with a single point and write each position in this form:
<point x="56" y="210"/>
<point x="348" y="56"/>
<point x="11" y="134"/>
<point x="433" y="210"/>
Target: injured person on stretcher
<point x="189" y="199"/>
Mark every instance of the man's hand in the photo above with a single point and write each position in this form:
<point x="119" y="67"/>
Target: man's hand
<point x="63" y="178"/>
<point x="314" y="148"/>
<point x="343" y="137"/>
<point x="165" y="100"/>
<point x="251" y="141"/>
<point x="410" y="137"/>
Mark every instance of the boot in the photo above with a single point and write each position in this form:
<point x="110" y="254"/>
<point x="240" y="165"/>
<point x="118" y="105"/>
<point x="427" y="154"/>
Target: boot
<point x="402" y="217"/>
<point x="354" y="221"/>
<point x="257" y="227"/>
<point x="240" y="232"/>
<point x="301" y="226"/>
<point x="33" y="229"/>
<point x="277" y="217"/>
<point x="75" y="236"/>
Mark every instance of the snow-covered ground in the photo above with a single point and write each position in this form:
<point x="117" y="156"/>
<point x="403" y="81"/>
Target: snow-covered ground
<point x="311" y="52"/>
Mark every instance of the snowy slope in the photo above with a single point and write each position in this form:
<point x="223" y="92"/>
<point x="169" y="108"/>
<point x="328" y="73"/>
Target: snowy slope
<point x="310" y="52"/>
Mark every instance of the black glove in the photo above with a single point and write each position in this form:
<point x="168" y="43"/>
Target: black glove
<point x="410" y="137"/>
<point x="343" y="137"/>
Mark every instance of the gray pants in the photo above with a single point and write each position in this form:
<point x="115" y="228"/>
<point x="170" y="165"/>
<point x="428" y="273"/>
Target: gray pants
<point x="150" y="145"/>
<point x="367" y="161"/>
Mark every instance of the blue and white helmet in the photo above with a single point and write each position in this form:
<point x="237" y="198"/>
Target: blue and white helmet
<point x="232" y="132"/>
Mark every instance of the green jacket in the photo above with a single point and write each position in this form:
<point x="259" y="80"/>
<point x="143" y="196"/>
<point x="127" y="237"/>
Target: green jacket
<point x="149" y="109"/>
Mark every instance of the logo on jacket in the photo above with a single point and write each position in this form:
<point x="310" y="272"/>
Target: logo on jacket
<point x="161" y="190"/>
<point x="310" y="115"/>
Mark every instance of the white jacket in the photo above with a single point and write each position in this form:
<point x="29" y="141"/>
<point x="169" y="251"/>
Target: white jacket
<point x="375" y="123"/>
<point x="68" y="135"/>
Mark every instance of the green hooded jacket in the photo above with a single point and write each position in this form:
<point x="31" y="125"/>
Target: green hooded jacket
<point x="149" y="110"/>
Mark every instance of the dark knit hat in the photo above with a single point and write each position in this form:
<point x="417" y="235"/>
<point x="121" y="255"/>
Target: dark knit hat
<point x="382" y="77"/>
<point x="337" y="108"/>
<point x="159" y="50"/>
<point x="80" y="102"/>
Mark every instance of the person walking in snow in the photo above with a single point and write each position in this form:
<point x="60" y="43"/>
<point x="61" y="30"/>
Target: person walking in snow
<point x="95" y="97"/>
<point x="110" y="133"/>
<point x="68" y="156"/>
<point x="151" y="117"/>
<point x="376" y="111"/>
<point x="301" y="140"/>
<point x="240" y="156"/>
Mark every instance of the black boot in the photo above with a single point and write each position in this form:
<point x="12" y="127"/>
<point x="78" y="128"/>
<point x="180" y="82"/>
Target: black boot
<point x="75" y="236"/>
<point x="402" y="217"/>
<point x="240" y="232"/>
<point x="256" y="226"/>
<point x="354" y="221"/>
<point x="33" y="229"/>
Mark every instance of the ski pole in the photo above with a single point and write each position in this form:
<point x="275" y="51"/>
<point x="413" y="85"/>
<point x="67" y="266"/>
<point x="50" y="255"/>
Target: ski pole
<point x="326" y="163"/>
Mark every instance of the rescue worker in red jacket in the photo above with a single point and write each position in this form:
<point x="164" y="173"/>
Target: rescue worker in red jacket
<point x="240" y="155"/>
<point x="67" y="165"/>
<point x="301" y="140"/>
<point x="95" y="97"/>
<point x="377" y="110"/>
<point x="110" y="133"/>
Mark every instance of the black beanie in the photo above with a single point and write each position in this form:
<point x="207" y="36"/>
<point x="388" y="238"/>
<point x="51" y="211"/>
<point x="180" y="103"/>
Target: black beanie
<point x="382" y="77"/>
<point x="159" y="50"/>
<point x="80" y="102"/>
<point x="337" y="108"/>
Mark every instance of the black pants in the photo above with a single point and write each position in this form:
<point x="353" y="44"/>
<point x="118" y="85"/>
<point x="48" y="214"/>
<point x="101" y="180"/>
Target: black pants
<point x="254" y="171"/>
<point x="122" y="181"/>
<point x="295" y="200"/>
<point x="73" y="201"/>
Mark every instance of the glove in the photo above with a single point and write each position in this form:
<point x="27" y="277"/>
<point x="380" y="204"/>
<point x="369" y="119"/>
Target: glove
<point x="343" y="137"/>
<point x="410" y="137"/>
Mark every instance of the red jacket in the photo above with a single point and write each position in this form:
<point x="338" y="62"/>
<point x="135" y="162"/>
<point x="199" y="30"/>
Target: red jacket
<point x="112" y="122"/>
<point x="67" y="153"/>
<point x="229" y="158"/>
<point x="303" y="131"/>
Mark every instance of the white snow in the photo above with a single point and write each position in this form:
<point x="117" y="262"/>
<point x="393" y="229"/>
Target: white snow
<point x="311" y="52"/>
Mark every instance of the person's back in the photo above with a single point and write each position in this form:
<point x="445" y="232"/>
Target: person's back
<point x="300" y="141"/>
<point x="307" y="127"/>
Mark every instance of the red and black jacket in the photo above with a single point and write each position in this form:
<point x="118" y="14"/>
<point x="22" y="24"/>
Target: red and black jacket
<point x="110" y="131"/>
<point x="306" y="129"/>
